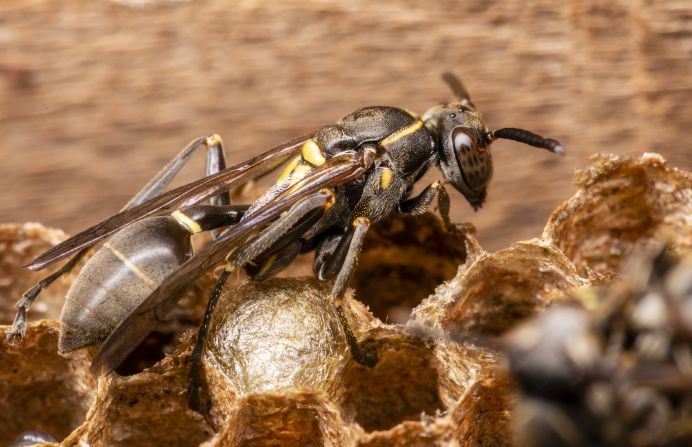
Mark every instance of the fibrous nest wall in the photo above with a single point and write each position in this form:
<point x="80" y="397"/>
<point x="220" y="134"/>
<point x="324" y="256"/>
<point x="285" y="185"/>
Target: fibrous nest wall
<point x="276" y="367"/>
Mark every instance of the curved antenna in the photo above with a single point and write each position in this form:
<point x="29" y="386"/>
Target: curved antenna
<point x="457" y="88"/>
<point x="526" y="137"/>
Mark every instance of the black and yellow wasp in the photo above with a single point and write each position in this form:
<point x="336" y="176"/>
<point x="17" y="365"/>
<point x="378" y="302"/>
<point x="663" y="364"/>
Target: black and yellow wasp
<point x="336" y="183"/>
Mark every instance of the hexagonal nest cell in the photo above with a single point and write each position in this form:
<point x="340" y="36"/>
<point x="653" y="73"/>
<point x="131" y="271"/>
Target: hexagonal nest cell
<point x="40" y="390"/>
<point x="402" y="386"/>
<point x="276" y="369"/>
<point x="402" y="262"/>
<point x="497" y="290"/>
<point x="620" y="203"/>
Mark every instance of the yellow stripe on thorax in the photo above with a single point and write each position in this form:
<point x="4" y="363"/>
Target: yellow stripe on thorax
<point x="288" y="170"/>
<point x="401" y="133"/>
<point x="312" y="153"/>
<point x="294" y="171"/>
<point x="186" y="222"/>
<point x="131" y="265"/>
<point x="386" y="177"/>
<point x="299" y="173"/>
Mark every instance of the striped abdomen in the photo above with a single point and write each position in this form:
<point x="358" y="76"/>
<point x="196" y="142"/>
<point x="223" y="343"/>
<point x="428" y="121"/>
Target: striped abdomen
<point x="118" y="277"/>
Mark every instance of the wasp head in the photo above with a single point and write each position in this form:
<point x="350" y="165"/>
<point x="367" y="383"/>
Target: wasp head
<point x="463" y="149"/>
<point x="463" y="143"/>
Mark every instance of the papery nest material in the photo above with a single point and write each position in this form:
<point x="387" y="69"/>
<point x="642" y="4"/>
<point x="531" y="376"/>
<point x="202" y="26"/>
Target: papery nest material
<point x="277" y="369"/>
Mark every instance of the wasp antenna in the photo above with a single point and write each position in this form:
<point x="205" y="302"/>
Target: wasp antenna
<point x="457" y="88"/>
<point x="530" y="138"/>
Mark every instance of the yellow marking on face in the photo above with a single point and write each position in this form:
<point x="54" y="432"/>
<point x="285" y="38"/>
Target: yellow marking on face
<point x="286" y="172"/>
<point x="186" y="222"/>
<point x="131" y="265"/>
<point x="312" y="153"/>
<point x="401" y="133"/>
<point x="267" y="265"/>
<point x="213" y="140"/>
<point x="299" y="172"/>
<point x="386" y="177"/>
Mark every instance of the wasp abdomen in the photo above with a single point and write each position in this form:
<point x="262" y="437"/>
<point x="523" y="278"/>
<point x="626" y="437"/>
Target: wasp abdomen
<point x="118" y="277"/>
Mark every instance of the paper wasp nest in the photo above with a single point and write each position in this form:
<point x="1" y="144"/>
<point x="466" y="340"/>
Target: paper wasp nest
<point x="277" y="368"/>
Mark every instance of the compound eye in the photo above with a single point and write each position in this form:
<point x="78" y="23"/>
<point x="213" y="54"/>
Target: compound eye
<point x="464" y="142"/>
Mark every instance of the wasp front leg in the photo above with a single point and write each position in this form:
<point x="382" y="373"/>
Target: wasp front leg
<point x="419" y="204"/>
<point x="216" y="161"/>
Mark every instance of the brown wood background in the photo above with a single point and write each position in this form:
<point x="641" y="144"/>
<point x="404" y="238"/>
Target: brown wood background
<point x="96" y="95"/>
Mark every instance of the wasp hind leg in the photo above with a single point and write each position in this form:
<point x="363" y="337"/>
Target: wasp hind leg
<point x="19" y="324"/>
<point x="216" y="160"/>
<point x="341" y="262"/>
<point x="276" y="238"/>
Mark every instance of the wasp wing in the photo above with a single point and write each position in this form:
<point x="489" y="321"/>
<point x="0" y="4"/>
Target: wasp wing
<point x="132" y="330"/>
<point x="189" y="194"/>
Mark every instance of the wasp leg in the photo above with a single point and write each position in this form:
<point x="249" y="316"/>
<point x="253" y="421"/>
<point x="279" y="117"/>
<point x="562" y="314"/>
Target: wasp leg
<point x="193" y="399"/>
<point x="299" y="218"/>
<point x="24" y="304"/>
<point x="343" y="260"/>
<point x="198" y="218"/>
<point x="419" y="204"/>
<point x="269" y="265"/>
<point x="324" y="255"/>
<point x="281" y="233"/>
<point x="215" y="160"/>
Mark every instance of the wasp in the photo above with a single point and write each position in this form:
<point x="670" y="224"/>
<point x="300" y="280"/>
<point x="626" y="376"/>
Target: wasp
<point x="617" y="374"/>
<point x="335" y="183"/>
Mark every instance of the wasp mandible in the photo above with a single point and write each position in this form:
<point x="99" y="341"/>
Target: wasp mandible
<point x="334" y="185"/>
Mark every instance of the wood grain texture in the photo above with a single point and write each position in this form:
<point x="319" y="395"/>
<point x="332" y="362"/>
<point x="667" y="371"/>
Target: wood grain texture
<point x="95" y="96"/>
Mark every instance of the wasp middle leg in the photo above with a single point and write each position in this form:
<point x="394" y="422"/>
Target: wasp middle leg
<point x="420" y="203"/>
<point x="338" y="256"/>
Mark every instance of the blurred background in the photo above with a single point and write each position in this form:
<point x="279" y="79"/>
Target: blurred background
<point x="96" y="96"/>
